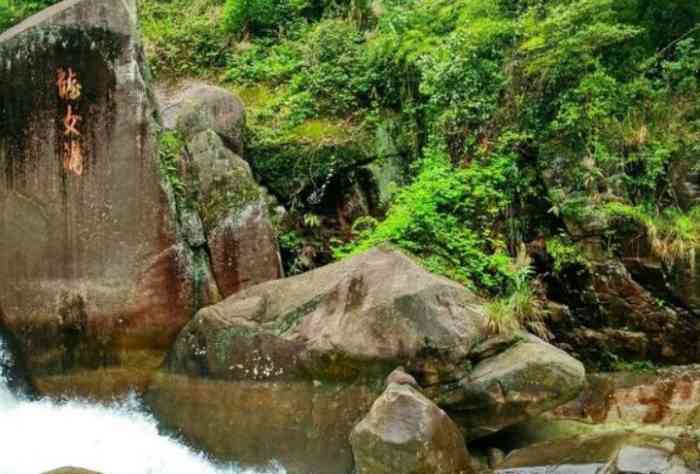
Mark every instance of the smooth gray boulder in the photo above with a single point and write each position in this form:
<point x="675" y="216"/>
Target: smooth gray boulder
<point x="206" y="107"/>
<point x="405" y="432"/>
<point x="526" y="379"/>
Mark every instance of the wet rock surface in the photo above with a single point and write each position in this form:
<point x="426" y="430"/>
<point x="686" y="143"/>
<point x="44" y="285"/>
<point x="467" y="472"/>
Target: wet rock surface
<point x="641" y="459"/>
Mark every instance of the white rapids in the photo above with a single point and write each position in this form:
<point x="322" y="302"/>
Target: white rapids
<point x="41" y="435"/>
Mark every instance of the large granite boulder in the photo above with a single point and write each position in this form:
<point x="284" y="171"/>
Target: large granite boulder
<point x="94" y="282"/>
<point x="406" y="432"/>
<point x="303" y="359"/>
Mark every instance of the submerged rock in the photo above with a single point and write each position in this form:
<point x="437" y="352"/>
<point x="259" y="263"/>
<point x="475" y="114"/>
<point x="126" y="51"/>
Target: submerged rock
<point x="304" y="358"/>
<point x="407" y="433"/>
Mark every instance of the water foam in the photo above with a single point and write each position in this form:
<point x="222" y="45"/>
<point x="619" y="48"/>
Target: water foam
<point x="40" y="435"/>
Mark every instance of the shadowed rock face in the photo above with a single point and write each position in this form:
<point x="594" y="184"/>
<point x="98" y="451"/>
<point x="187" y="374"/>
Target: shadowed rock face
<point x="303" y="359"/>
<point x="90" y="273"/>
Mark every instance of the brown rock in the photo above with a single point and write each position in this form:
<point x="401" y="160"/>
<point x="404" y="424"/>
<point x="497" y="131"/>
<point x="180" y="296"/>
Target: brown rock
<point x="669" y="397"/>
<point x="242" y="242"/>
<point x="91" y="276"/>
<point x="407" y="433"/>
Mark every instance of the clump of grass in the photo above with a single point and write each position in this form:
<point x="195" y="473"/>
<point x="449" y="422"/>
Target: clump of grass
<point x="674" y="235"/>
<point x="519" y="309"/>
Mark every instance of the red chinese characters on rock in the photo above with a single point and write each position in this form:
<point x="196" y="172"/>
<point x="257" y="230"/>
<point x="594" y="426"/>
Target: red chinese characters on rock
<point x="70" y="90"/>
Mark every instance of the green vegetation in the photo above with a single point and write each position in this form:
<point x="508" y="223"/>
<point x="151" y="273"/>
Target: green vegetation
<point x="184" y="37"/>
<point x="673" y="235"/>
<point x="639" y="366"/>
<point x="14" y="11"/>
<point x="518" y="310"/>
<point x="170" y="150"/>
<point x="497" y="121"/>
<point x="566" y="254"/>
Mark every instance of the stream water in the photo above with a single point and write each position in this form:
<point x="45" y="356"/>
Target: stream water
<point x="40" y="435"/>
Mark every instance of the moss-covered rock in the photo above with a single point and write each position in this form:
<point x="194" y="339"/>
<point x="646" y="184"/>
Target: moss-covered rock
<point x="299" y="163"/>
<point x="241" y="241"/>
<point x="527" y="379"/>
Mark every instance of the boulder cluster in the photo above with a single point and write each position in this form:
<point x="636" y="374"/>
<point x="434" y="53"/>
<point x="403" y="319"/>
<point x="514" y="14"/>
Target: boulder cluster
<point x="161" y="274"/>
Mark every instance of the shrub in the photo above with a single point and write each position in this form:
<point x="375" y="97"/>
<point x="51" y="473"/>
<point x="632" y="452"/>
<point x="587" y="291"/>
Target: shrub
<point x="519" y="309"/>
<point x="184" y="37"/>
<point x="447" y="218"/>
<point x="260" y="17"/>
<point x="14" y="11"/>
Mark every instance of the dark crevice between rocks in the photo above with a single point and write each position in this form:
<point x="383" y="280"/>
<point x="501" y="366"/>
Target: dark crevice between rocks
<point x="196" y="247"/>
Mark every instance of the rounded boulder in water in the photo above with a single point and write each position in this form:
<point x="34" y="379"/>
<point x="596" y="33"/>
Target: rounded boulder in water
<point x="71" y="470"/>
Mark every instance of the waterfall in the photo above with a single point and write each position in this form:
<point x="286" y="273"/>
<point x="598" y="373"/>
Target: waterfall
<point x="121" y="438"/>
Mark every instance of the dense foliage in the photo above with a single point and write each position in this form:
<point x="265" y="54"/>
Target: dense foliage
<point x="479" y="105"/>
<point x="12" y="11"/>
<point x="487" y="123"/>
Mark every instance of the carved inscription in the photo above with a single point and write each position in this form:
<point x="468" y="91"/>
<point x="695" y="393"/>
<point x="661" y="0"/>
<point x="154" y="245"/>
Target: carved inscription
<point x="70" y="90"/>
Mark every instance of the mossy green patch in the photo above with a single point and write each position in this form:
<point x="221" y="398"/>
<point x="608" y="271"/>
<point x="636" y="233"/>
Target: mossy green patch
<point x="291" y="319"/>
<point x="255" y="96"/>
<point x="304" y="158"/>
<point x="228" y="197"/>
<point x="321" y="131"/>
